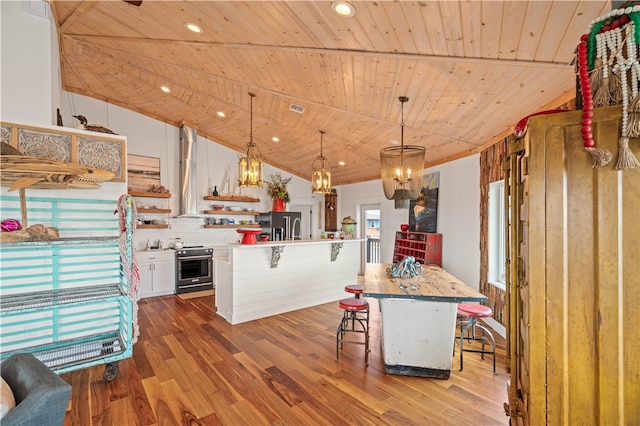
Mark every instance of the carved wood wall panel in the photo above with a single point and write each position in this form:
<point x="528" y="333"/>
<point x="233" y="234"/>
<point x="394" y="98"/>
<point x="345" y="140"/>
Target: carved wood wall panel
<point x="103" y="151"/>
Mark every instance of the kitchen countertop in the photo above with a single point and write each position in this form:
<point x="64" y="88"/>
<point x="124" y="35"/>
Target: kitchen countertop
<point x="155" y="250"/>
<point x="295" y="242"/>
<point x="217" y="246"/>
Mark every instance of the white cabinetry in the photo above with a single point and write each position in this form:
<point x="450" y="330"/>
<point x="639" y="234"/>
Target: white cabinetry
<point x="157" y="273"/>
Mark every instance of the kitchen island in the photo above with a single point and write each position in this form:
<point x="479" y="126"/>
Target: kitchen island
<point x="418" y="318"/>
<point x="270" y="278"/>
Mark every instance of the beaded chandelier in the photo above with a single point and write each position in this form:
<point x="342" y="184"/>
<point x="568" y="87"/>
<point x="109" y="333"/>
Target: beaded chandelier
<point x="402" y="169"/>
<point x="251" y="165"/>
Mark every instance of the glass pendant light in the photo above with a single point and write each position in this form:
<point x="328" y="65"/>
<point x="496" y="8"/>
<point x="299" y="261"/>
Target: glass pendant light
<point x="321" y="173"/>
<point x="251" y="165"/>
<point x="402" y="169"/>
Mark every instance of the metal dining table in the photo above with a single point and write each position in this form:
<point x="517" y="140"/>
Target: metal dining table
<point x="418" y="318"/>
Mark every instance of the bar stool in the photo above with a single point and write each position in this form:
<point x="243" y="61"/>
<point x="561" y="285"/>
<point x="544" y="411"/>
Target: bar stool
<point x="354" y="289"/>
<point x="473" y="311"/>
<point x="355" y="319"/>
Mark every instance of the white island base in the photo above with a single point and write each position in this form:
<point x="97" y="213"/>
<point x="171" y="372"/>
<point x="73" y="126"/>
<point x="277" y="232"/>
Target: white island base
<point x="418" y="316"/>
<point x="256" y="281"/>
<point x="418" y="337"/>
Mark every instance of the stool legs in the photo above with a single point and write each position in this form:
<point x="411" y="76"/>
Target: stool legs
<point x="354" y="323"/>
<point x="470" y="325"/>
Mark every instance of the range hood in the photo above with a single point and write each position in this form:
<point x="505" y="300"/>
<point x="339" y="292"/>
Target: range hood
<point x="188" y="171"/>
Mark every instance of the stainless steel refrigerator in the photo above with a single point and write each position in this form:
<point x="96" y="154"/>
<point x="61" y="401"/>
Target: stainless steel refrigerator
<point x="281" y="226"/>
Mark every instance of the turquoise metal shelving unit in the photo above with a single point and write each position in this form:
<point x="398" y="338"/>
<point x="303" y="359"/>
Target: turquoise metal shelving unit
<point x="68" y="301"/>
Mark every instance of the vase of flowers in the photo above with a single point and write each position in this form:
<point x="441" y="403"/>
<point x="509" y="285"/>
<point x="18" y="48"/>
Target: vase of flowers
<point x="277" y="190"/>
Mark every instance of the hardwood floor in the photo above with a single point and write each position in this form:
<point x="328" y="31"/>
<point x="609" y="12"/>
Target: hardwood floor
<point x="191" y="367"/>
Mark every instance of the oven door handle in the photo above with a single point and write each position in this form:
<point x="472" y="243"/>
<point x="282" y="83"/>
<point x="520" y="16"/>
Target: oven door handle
<point x="194" y="257"/>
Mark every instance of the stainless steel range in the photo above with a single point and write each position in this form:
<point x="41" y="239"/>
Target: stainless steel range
<point x="194" y="269"/>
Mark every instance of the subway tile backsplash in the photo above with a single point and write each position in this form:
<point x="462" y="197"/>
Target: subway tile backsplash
<point x="190" y="230"/>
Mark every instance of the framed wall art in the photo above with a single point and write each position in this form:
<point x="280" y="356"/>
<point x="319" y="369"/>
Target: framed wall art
<point x="142" y="172"/>
<point x="423" y="211"/>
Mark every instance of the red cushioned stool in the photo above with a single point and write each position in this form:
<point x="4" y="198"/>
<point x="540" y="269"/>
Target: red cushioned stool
<point x="354" y="289"/>
<point x="355" y="319"/>
<point x="473" y="311"/>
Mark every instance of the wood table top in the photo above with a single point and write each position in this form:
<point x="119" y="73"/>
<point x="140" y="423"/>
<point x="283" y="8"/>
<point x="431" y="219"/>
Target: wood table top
<point x="433" y="284"/>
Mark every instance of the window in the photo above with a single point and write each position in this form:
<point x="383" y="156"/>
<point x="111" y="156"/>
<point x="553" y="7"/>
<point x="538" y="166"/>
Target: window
<point x="497" y="249"/>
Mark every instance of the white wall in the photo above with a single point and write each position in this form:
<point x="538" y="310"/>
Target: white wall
<point x="25" y="66"/>
<point x="458" y="215"/>
<point x="28" y="82"/>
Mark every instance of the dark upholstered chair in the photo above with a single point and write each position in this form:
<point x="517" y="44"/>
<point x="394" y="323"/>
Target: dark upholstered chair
<point x="41" y="395"/>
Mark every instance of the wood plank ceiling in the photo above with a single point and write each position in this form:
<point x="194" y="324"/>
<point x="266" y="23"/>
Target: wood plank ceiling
<point x="471" y="70"/>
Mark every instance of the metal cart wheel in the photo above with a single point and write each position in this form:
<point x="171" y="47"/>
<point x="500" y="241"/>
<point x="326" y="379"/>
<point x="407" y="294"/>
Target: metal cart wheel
<point x="110" y="371"/>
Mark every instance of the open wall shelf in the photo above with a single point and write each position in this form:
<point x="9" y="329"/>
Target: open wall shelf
<point x="150" y="194"/>
<point x="230" y="197"/>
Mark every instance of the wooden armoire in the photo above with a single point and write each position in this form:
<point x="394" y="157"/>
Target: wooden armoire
<point x="573" y="276"/>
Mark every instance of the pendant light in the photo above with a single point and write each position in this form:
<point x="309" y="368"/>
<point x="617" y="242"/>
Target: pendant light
<point x="321" y="173"/>
<point x="402" y="169"/>
<point x="251" y="165"/>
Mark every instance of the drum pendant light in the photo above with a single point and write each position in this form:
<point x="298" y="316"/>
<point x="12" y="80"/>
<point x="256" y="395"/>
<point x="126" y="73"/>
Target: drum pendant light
<point x="321" y="173"/>
<point x="251" y="165"/>
<point x="402" y="169"/>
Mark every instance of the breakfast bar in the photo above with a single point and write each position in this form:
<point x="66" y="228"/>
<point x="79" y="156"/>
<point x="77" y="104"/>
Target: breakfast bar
<point x="418" y="318"/>
<point x="270" y="278"/>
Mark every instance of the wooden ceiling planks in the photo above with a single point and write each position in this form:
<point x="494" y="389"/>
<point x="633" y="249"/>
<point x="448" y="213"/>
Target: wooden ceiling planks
<point x="532" y="36"/>
<point x="512" y="22"/>
<point x="452" y="26"/>
<point x="468" y="68"/>
<point x="471" y="28"/>
<point x="491" y="30"/>
<point x="434" y="27"/>
<point x="373" y="39"/>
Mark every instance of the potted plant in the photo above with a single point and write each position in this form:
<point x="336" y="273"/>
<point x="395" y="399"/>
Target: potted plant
<point x="277" y="190"/>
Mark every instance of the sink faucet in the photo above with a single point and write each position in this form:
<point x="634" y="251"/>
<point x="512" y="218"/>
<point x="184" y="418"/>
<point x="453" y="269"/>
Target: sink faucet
<point x="293" y="228"/>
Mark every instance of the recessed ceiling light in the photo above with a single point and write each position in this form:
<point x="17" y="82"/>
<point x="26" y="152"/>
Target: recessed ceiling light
<point x="394" y="142"/>
<point x="275" y="139"/>
<point x="165" y="89"/>
<point x="343" y="8"/>
<point x="341" y="163"/>
<point x="193" y="27"/>
<point x="220" y="113"/>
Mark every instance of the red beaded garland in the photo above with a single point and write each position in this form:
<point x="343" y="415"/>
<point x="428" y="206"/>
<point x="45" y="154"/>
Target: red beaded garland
<point x="587" y="95"/>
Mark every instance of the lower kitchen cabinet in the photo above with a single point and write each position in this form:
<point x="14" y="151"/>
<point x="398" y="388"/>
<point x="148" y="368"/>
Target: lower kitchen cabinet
<point x="157" y="273"/>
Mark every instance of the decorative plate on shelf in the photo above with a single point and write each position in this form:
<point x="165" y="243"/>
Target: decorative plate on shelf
<point x="234" y="208"/>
